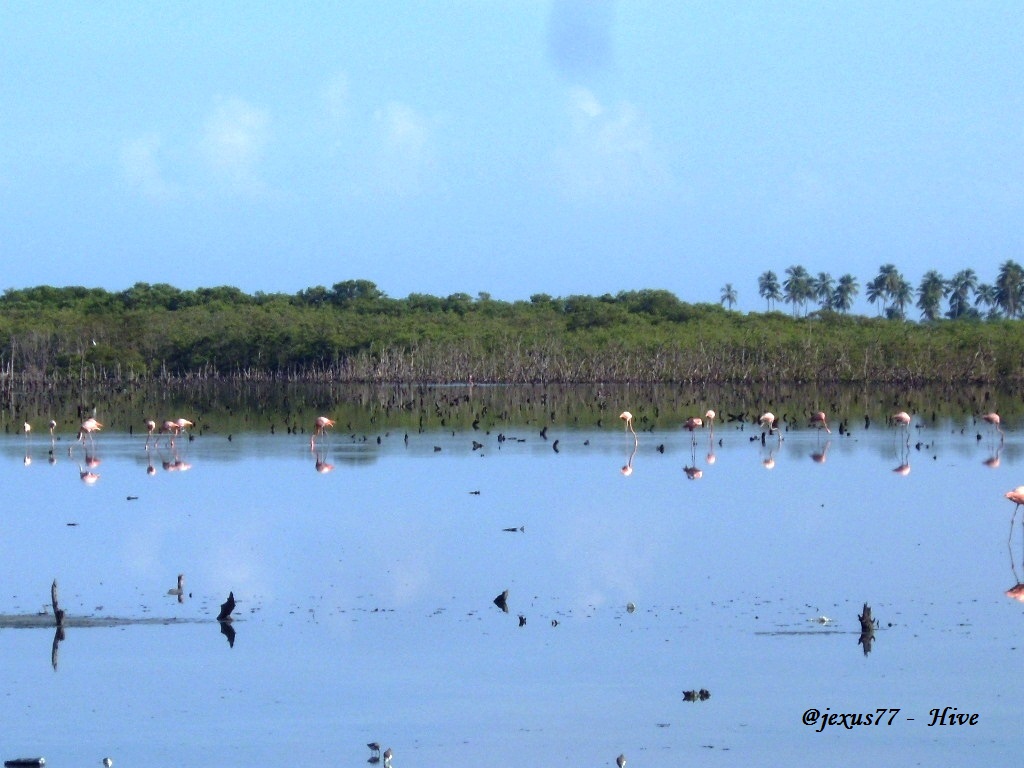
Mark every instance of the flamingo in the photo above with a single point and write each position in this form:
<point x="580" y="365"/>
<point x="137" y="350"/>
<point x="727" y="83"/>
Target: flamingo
<point x="1016" y="496"/>
<point x="818" y="420"/>
<point x="53" y="426"/>
<point x="770" y="424"/>
<point x="709" y="417"/>
<point x="89" y="426"/>
<point x="627" y="417"/>
<point x="692" y="423"/>
<point x="150" y="429"/>
<point x="319" y="428"/>
<point x="995" y="421"/>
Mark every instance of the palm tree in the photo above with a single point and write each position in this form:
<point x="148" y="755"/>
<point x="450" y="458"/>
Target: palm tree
<point x="930" y="294"/>
<point x="821" y="288"/>
<point x="1010" y="288"/>
<point x="768" y="287"/>
<point x="900" y="294"/>
<point x="960" y="286"/>
<point x="985" y="295"/>
<point x="728" y="295"/>
<point x="845" y="292"/>
<point x="797" y="287"/>
<point x="876" y="292"/>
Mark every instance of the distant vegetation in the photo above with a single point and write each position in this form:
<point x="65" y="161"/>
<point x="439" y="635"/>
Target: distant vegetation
<point x="352" y="332"/>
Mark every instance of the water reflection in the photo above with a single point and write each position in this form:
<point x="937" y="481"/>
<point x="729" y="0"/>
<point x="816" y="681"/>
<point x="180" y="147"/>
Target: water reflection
<point x="820" y="456"/>
<point x="390" y="573"/>
<point x="320" y="463"/>
<point x="1016" y="592"/>
<point x="627" y="468"/>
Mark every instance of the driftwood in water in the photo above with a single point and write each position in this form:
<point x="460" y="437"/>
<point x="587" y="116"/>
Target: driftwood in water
<point x="226" y="608"/>
<point x="58" y="614"/>
<point x="867" y="629"/>
<point x="502" y="601"/>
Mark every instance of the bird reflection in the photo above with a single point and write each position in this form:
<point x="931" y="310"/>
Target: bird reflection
<point x="321" y="464"/>
<point x="768" y="459"/>
<point x="693" y="472"/>
<point x="820" y="457"/>
<point x="992" y="462"/>
<point x="627" y="468"/>
<point x="903" y="457"/>
<point x="173" y="462"/>
<point x="88" y="476"/>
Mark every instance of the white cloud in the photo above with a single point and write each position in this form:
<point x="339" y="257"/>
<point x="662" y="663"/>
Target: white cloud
<point x="140" y="166"/>
<point x="233" y="143"/>
<point x="608" y="154"/>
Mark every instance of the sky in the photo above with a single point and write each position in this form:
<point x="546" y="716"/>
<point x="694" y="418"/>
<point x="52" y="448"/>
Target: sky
<point x="511" y="148"/>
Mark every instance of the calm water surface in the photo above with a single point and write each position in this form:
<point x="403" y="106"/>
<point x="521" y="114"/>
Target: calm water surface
<point x="365" y="596"/>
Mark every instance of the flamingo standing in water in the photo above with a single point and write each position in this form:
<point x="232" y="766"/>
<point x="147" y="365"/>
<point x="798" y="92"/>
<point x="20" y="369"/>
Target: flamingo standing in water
<point x="319" y="428"/>
<point x="770" y="424"/>
<point x="53" y="426"/>
<point x="89" y="426"/>
<point x="995" y="421"/>
<point x="1016" y="496"/>
<point x="627" y="417"/>
<point x="818" y="420"/>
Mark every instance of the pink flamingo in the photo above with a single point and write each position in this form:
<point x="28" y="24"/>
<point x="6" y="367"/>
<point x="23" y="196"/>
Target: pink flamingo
<point x="770" y="424"/>
<point x="89" y="426"/>
<point x="818" y="420"/>
<point x="53" y="426"/>
<point x="1016" y="496"/>
<point x="150" y="429"/>
<point x="627" y="417"/>
<point x="995" y="421"/>
<point x="319" y="428"/>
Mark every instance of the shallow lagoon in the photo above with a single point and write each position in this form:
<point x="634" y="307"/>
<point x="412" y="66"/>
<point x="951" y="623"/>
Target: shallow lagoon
<point x="365" y="596"/>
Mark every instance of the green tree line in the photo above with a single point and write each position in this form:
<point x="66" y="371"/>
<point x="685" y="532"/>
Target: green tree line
<point x="353" y="332"/>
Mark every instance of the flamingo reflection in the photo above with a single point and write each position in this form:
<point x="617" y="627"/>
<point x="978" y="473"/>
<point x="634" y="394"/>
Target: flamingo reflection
<point x="627" y="468"/>
<point x="88" y="476"/>
<point x="820" y="457"/>
<point x="321" y="465"/>
<point x="992" y="462"/>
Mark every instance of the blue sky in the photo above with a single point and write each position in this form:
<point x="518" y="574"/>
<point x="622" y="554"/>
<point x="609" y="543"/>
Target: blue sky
<point x="561" y="147"/>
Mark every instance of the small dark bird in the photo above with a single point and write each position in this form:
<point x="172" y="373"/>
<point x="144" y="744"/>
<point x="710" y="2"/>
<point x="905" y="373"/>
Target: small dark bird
<point x="388" y="754"/>
<point x="522" y="620"/>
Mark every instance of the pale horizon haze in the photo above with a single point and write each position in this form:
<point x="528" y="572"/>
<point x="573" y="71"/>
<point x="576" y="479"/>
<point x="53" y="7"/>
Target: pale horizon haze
<point x="513" y="148"/>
